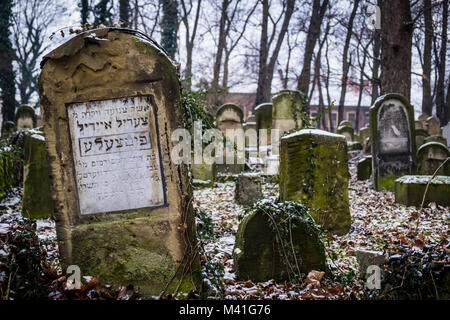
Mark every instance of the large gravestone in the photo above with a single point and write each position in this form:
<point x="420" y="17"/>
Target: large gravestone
<point x="393" y="139"/>
<point x="314" y="171"/>
<point x="287" y="110"/>
<point x="110" y="99"/>
<point x="37" y="200"/>
<point x="430" y="156"/>
<point x="25" y="118"/>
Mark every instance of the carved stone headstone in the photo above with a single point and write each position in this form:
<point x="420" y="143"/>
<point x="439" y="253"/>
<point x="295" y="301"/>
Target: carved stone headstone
<point x="430" y="156"/>
<point x="229" y="116"/>
<point x="393" y="139"/>
<point x="110" y="99"/>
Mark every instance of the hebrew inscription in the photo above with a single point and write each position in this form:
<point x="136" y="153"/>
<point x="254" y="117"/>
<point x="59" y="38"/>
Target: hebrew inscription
<point x="116" y="156"/>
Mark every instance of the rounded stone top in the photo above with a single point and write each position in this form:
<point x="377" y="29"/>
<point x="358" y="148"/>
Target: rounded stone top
<point x="394" y="96"/>
<point x="345" y="123"/>
<point x="230" y="106"/>
<point x="24" y="111"/>
<point x="433" y="144"/>
<point x="263" y="106"/>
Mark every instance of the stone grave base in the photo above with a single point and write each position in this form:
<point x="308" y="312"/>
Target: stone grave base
<point x="409" y="190"/>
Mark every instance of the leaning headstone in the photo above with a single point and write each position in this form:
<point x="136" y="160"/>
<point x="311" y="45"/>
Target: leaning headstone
<point x="248" y="189"/>
<point x="393" y="139"/>
<point x="409" y="190"/>
<point x="25" y="118"/>
<point x="434" y="126"/>
<point x="439" y="139"/>
<point x="37" y="196"/>
<point x="446" y="133"/>
<point x="421" y="135"/>
<point x="346" y="129"/>
<point x="314" y="171"/>
<point x="110" y="100"/>
<point x="364" y="168"/>
<point x="430" y="156"/>
<point x="258" y="255"/>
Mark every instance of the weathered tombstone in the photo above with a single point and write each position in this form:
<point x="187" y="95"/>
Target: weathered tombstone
<point x="250" y="124"/>
<point x="393" y="139"/>
<point x="346" y="129"/>
<point x="409" y="190"/>
<point x="8" y="128"/>
<point x="439" y="139"/>
<point x="229" y="116"/>
<point x="364" y="168"/>
<point x="434" y="126"/>
<point x="263" y="114"/>
<point x="248" y="189"/>
<point x="421" y="135"/>
<point x="25" y="118"/>
<point x="204" y="174"/>
<point x="423" y="118"/>
<point x="259" y="257"/>
<point x="430" y="156"/>
<point x="287" y="110"/>
<point x="364" y="137"/>
<point x="110" y="99"/>
<point x="37" y="196"/>
<point x="367" y="258"/>
<point x="418" y="125"/>
<point x="314" y="170"/>
<point x="446" y="133"/>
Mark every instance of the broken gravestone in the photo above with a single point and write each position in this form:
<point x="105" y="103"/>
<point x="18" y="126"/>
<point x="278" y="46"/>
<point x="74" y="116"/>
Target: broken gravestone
<point x="248" y="188"/>
<point x="430" y="156"/>
<point x="110" y="99"/>
<point x="393" y="139"/>
<point x="37" y="196"/>
<point x="314" y="171"/>
<point x="275" y="239"/>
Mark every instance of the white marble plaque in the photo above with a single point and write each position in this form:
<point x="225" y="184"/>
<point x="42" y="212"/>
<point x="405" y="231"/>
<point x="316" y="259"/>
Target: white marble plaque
<point x="116" y="155"/>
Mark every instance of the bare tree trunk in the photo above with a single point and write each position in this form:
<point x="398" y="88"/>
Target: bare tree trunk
<point x="427" y="103"/>
<point x="361" y="89"/>
<point x="396" y="45"/>
<point x="376" y="65"/>
<point x="441" y="107"/>
<point x="327" y="86"/>
<point x="313" y="34"/>
<point x="263" y="93"/>
<point x="220" y="46"/>
<point x="345" y="62"/>
<point x="225" y="68"/>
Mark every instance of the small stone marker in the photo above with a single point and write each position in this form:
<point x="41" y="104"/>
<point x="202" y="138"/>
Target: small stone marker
<point x="430" y="156"/>
<point x="364" y="168"/>
<point x="364" y="138"/>
<point x="393" y="139"/>
<point x="263" y="114"/>
<point x="409" y="190"/>
<point x="314" y="171"/>
<point x="287" y="110"/>
<point x="418" y="125"/>
<point x="434" y="126"/>
<point x="25" y="118"/>
<point x="110" y="99"/>
<point x="258" y="256"/>
<point x="37" y="196"/>
<point x="368" y="258"/>
<point x="423" y="118"/>
<point x="248" y="189"/>
<point x="229" y="116"/>
<point x="204" y="174"/>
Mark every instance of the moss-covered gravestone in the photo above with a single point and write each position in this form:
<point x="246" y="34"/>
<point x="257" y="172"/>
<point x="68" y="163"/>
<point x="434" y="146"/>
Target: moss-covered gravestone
<point x="269" y="245"/>
<point x="409" y="190"/>
<point x="287" y="109"/>
<point x="110" y="100"/>
<point x="314" y="171"/>
<point x="204" y="174"/>
<point x="430" y="156"/>
<point x="393" y="139"/>
<point x="37" y="198"/>
<point x="25" y="118"/>
<point x="229" y="116"/>
<point x="364" y="168"/>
